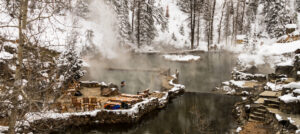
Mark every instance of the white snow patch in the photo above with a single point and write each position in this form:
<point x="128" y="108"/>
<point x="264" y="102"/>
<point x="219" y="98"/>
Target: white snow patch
<point x="3" y="128"/>
<point x="238" y="83"/>
<point x="238" y="129"/>
<point x="274" y="87"/>
<point x="181" y="57"/>
<point x="290" y="119"/>
<point x="286" y="63"/>
<point x="289" y="98"/>
<point x="290" y="26"/>
<point x="278" y="117"/>
<point x="5" y="55"/>
<point x="297" y="91"/>
<point x="293" y="85"/>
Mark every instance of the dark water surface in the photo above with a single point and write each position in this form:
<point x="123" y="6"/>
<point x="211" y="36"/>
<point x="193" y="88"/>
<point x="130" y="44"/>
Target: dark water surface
<point x="197" y="111"/>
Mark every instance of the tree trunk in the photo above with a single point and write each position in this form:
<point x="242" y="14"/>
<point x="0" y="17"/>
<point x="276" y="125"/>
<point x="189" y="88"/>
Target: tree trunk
<point x="132" y="19"/>
<point x="198" y="30"/>
<point x="233" y="24"/>
<point x="192" y="23"/>
<point x="244" y="7"/>
<point x="138" y="24"/>
<point x="236" y="21"/>
<point x="212" y="22"/>
<point x="18" y="76"/>
<point x="220" y="24"/>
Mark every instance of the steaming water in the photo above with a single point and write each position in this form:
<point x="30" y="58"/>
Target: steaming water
<point x="197" y="111"/>
<point x="201" y="76"/>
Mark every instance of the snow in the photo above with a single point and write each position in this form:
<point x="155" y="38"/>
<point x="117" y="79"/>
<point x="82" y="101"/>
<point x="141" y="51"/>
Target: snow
<point x="176" y="87"/>
<point x="33" y="116"/>
<point x="290" y="26"/>
<point x="176" y="20"/>
<point x="238" y="129"/>
<point x="289" y="98"/>
<point x="289" y="62"/>
<point x="181" y="57"/>
<point x="274" y="87"/>
<point x="238" y="83"/>
<point x="45" y="75"/>
<point x="85" y="64"/>
<point x="297" y="91"/>
<point x="295" y="33"/>
<point x="3" y="128"/>
<point x="240" y="37"/>
<point x="5" y="55"/>
<point x="20" y="97"/>
<point x="226" y="83"/>
<point x="228" y="90"/>
<point x="270" y="53"/>
<point x="278" y="117"/>
<point x="293" y="85"/>
<point x="290" y="119"/>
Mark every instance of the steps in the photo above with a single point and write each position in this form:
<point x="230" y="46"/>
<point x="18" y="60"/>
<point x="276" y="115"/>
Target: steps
<point x="257" y="113"/>
<point x="257" y="118"/>
<point x="272" y="103"/>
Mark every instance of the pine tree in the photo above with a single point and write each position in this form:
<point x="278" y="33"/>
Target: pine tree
<point x="69" y="67"/>
<point x="122" y="10"/>
<point x="147" y="14"/>
<point x="276" y="17"/>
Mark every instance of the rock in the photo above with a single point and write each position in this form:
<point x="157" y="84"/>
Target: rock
<point x="287" y="70"/>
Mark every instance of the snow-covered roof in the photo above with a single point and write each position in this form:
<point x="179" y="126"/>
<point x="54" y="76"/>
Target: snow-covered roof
<point x="240" y="37"/>
<point x="290" y="26"/>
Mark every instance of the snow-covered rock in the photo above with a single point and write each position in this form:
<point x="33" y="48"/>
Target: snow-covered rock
<point x="290" y="98"/>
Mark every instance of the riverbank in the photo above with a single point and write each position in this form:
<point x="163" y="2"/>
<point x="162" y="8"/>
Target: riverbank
<point x="270" y="101"/>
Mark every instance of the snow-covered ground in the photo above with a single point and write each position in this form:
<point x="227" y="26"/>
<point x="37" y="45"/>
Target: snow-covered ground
<point x="3" y="128"/>
<point x="271" y="54"/>
<point x="181" y="58"/>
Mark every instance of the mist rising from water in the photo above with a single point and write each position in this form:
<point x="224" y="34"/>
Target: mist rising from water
<point x="104" y="23"/>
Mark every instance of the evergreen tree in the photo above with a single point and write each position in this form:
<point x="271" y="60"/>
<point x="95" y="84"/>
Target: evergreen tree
<point x="276" y="17"/>
<point x="147" y="14"/>
<point x="122" y="10"/>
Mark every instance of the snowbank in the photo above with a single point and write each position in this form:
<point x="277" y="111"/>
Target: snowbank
<point x="274" y="87"/>
<point x="31" y="117"/>
<point x="293" y="85"/>
<point x="289" y="98"/>
<point x="238" y="83"/>
<point x="269" y="54"/>
<point x="289" y="62"/>
<point x="181" y="58"/>
<point x="3" y="128"/>
<point x="177" y="87"/>
<point x="297" y="91"/>
<point x="5" y="55"/>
